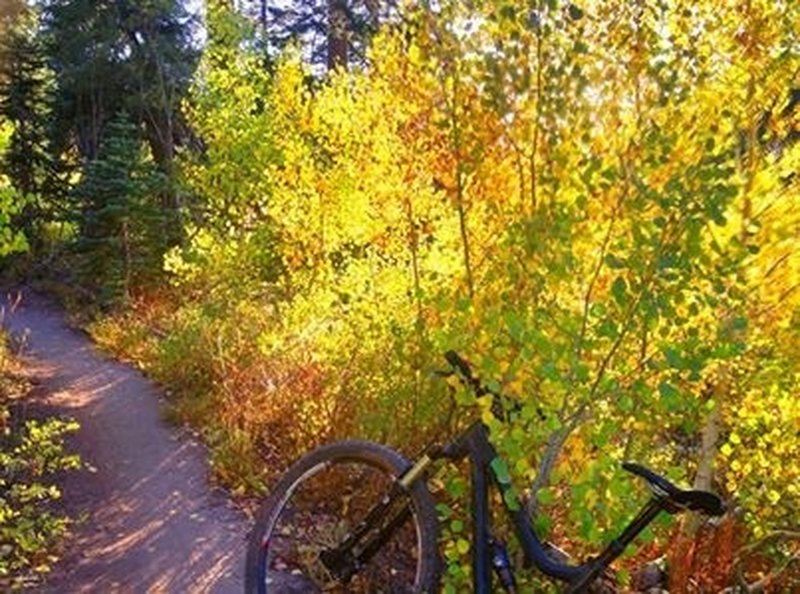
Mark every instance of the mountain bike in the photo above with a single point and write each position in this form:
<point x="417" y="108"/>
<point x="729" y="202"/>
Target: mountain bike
<point x="355" y="516"/>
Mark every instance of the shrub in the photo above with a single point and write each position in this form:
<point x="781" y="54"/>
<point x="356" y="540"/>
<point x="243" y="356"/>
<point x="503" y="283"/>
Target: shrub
<point x="32" y="455"/>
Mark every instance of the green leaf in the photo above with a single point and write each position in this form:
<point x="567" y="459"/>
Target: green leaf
<point x="619" y="290"/>
<point x="582" y="372"/>
<point x="598" y="310"/>
<point x="542" y="524"/>
<point x="515" y="326"/>
<point x="546" y="496"/>
<point x="608" y="329"/>
<point x="670" y="395"/>
<point x="508" y="11"/>
<point x="550" y="371"/>
<point x="444" y="511"/>
<point x="613" y="261"/>
<point x="673" y="358"/>
<point x="500" y="470"/>
<point x="511" y="499"/>
<point x="462" y="546"/>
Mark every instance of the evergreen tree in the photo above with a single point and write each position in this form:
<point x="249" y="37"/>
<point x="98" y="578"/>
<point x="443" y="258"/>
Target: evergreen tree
<point x="25" y="90"/>
<point x="136" y="55"/>
<point x="11" y="238"/>
<point x="332" y="32"/>
<point x="10" y="12"/>
<point x="121" y="237"/>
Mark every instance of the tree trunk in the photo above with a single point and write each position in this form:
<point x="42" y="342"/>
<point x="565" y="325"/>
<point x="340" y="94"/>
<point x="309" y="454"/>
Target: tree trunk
<point x="555" y="443"/>
<point x="263" y="18"/>
<point x="337" y="34"/>
<point x="708" y="448"/>
<point x="708" y="451"/>
<point x="127" y="262"/>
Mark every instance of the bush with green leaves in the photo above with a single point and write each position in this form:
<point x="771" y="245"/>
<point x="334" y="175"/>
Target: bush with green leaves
<point x="29" y="527"/>
<point x="32" y="455"/>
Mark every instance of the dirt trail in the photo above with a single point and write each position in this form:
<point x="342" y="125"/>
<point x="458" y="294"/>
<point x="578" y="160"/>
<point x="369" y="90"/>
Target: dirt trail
<point x="152" y="523"/>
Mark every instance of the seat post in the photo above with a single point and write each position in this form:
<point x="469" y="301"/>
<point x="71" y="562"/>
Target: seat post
<point x="615" y="548"/>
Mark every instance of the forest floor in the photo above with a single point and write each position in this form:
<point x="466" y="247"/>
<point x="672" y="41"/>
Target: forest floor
<point x="148" y="520"/>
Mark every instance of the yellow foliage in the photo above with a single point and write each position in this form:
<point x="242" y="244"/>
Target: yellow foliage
<point x="601" y="211"/>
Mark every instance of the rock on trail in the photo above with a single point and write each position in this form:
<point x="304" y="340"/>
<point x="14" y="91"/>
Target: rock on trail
<point x="151" y="522"/>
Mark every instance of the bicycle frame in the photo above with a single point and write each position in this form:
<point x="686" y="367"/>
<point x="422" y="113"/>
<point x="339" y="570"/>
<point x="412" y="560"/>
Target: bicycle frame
<point x="487" y="469"/>
<point x="474" y="444"/>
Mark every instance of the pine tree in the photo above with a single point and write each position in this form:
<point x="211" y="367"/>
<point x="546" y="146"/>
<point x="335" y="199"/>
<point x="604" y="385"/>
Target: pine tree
<point x="25" y="92"/>
<point x="333" y="33"/>
<point x="121" y="237"/>
<point x="11" y="238"/>
<point x="139" y="56"/>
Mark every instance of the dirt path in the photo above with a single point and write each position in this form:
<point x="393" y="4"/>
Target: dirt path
<point x="152" y="523"/>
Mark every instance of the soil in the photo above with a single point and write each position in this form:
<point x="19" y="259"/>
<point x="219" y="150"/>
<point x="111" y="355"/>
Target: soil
<point x="148" y="519"/>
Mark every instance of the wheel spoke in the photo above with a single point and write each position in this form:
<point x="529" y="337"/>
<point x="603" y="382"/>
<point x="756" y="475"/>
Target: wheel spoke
<point x="318" y="507"/>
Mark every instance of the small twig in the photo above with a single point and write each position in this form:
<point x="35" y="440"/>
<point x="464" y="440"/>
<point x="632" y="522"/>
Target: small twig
<point x="743" y="587"/>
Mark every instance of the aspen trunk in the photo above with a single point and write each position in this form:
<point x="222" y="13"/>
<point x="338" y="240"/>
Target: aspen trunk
<point x="708" y="447"/>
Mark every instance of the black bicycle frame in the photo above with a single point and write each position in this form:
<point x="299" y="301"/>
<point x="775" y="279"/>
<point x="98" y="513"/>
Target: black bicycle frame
<point x="474" y="444"/>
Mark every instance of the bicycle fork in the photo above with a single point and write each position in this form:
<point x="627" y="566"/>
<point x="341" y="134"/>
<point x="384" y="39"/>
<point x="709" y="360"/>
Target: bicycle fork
<point x="345" y="561"/>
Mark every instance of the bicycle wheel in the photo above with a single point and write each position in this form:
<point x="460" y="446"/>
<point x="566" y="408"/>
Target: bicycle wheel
<point x="302" y="539"/>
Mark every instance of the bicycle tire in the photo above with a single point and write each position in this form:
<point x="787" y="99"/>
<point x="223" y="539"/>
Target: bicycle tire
<point x="270" y="538"/>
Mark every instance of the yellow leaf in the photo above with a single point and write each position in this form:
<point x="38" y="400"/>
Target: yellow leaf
<point x="462" y="546"/>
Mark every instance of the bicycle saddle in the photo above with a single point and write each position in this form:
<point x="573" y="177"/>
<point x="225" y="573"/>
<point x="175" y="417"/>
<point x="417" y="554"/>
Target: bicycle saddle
<point x="678" y="499"/>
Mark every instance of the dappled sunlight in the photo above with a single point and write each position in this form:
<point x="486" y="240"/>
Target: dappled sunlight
<point x="286" y="213"/>
<point x="79" y="394"/>
<point x="151" y="522"/>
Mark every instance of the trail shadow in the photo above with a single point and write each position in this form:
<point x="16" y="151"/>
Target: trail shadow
<point x="151" y="522"/>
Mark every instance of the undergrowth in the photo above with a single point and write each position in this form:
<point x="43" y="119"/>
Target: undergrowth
<point x="32" y="455"/>
<point x="258" y="412"/>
